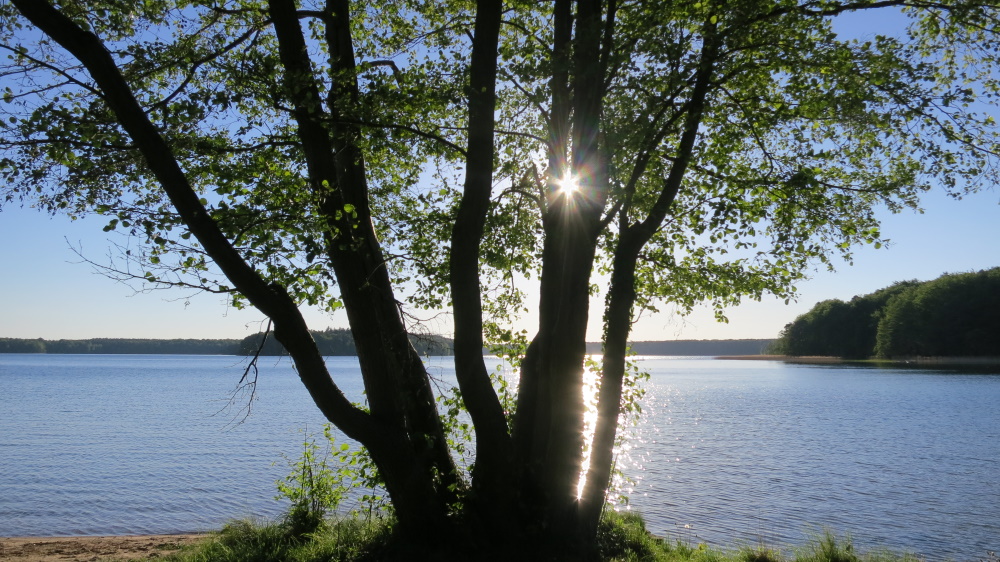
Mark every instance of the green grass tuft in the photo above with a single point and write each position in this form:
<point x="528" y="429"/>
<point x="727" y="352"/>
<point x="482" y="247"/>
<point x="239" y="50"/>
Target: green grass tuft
<point x="827" y="548"/>
<point x="759" y="553"/>
<point x="346" y="540"/>
<point x="623" y="537"/>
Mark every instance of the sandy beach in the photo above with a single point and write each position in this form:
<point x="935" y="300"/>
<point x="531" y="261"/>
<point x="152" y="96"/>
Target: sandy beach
<point x="80" y="549"/>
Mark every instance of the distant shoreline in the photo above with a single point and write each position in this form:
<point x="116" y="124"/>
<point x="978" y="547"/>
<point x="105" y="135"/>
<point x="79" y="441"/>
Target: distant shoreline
<point x="338" y="343"/>
<point x="819" y="360"/>
<point x="734" y="349"/>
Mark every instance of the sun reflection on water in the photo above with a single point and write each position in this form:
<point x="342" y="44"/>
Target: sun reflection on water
<point x="591" y="377"/>
<point x="621" y="486"/>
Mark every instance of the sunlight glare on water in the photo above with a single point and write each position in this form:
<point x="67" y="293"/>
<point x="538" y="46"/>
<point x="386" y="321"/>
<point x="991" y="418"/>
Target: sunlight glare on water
<point x="590" y="388"/>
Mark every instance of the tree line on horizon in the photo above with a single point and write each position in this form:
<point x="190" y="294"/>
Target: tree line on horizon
<point x="955" y="315"/>
<point x="338" y="342"/>
<point x="696" y="348"/>
<point x="331" y="342"/>
<point x="122" y="346"/>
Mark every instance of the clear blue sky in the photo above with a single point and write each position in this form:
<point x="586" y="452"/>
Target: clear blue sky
<point x="46" y="293"/>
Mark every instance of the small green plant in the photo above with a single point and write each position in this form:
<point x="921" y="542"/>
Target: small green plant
<point x="759" y="553"/>
<point x="456" y="423"/>
<point x="358" y="468"/>
<point x="315" y="486"/>
<point x="238" y="541"/>
<point x="761" y="550"/>
<point x="622" y="536"/>
<point x="827" y="548"/>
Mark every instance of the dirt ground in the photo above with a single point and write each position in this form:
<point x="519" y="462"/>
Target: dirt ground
<point x="87" y="549"/>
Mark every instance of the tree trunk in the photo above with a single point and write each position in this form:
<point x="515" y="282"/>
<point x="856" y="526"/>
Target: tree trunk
<point x="492" y="476"/>
<point x="622" y="293"/>
<point x="618" y="324"/>
<point x="549" y="428"/>
<point x="411" y="449"/>
<point x="548" y="436"/>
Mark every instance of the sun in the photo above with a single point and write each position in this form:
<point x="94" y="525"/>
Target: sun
<point x="568" y="185"/>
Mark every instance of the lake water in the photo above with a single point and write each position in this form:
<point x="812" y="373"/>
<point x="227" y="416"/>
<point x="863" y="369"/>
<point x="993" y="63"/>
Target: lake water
<point x="727" y="452"/>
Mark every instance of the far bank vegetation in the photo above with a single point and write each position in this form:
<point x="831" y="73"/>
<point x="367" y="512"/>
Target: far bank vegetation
<point x="955" y="315"/>
<point x="334" y="342"/>
<point x="331" y="342"/>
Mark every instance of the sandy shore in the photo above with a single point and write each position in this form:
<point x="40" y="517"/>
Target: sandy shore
<point x="81" y="549"/>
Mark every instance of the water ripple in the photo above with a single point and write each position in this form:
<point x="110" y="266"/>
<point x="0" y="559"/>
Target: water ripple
<point x="727" y="451"/>
<point x="896" y="458"/>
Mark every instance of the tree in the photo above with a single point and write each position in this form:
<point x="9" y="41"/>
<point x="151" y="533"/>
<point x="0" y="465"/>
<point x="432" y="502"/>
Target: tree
<point x="290" y="155"/>
<point x="836" y="328"/>
<point x="954" y="315"/>
<point x="821" y="331"/>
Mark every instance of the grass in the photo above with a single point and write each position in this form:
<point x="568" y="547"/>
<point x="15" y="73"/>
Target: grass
<point x="621" y="538"/>
<point x="262" y="541"/>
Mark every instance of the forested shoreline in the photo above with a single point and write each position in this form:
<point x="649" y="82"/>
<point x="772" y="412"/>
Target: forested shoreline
<point x="955" y="315"/>
<point x="331" y="342"/>
<point x="121" y="346"/>
<point x="338" y="342"/>
<point x="694" y="347"/>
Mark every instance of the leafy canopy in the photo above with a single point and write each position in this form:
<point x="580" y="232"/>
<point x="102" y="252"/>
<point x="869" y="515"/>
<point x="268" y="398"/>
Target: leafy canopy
<point x="804" y="135"/>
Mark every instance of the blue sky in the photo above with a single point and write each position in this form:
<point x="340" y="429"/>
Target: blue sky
<point x="45" y="292"/>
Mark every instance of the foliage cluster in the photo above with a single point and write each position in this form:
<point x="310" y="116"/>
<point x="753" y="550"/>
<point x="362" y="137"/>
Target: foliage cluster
<point x="314" y="487"/>
<point x="249" y="541"/>
<point x="955" y="315"/>
<point x="324" y="475"/>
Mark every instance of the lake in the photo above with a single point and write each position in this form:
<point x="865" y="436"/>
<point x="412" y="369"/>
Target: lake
<point x="727" y="452"/>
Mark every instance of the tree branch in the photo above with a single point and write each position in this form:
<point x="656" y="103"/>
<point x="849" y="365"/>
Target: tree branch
<point x="270" y="299"/>
<point x="493" y="443"/>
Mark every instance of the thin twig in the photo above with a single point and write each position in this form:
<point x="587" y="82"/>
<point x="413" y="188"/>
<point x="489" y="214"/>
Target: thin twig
<point x="245" y="382"/>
